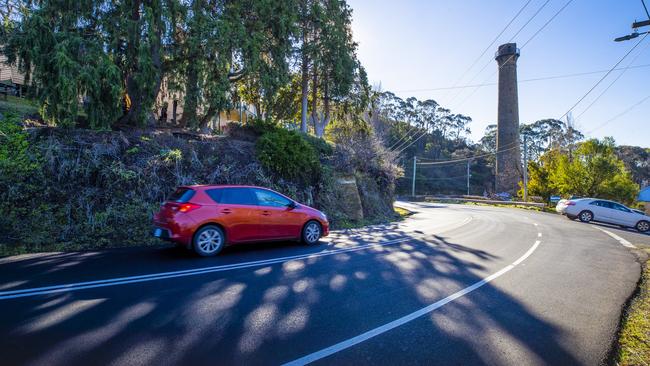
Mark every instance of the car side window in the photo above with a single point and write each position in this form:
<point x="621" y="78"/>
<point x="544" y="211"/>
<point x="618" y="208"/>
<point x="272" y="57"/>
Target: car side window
<point x="605" y="204"/>
<point x="233" y="196"/>
<point x="268" y="198"/>
<point x="621" y="207"/>
<point x="597" y="203"/>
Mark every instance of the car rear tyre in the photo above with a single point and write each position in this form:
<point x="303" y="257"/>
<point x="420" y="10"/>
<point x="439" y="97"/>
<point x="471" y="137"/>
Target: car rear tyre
<point x="209" y="241"/>
<point x="311" y="233"/>
<point x="643" y="226"/>
<point x="586" y="216"/>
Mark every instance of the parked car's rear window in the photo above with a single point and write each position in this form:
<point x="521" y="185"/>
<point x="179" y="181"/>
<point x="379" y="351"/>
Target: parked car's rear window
<point x="233" y="196"/>
<point x="181" y="195"/>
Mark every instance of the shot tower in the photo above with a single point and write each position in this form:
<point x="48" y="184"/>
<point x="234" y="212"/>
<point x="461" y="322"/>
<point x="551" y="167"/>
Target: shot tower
<point x="508" y="162"/>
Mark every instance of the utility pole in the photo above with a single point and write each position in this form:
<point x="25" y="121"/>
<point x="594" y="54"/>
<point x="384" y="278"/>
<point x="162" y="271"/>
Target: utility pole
<point x="525" y="168"/>
<point x="415" y="159"/>
<point x="468" y="161"/>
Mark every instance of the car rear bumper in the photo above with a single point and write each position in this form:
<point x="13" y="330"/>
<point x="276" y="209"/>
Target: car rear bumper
<point x="177" y="231"/>
<point x="162" y="233"/>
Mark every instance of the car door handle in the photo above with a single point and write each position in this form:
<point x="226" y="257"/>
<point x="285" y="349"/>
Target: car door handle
<point x="266" y="213"/>
<point x="226" y="211"/>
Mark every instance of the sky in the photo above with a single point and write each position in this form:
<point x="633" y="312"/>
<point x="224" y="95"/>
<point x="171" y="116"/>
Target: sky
<point x="410" y="45"/>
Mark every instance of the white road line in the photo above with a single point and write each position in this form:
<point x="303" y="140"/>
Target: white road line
<point x="527" y="254"/>
<point x="312" y="357"/>
<point x="620" y="240"/>
<point x="182" y="273"/>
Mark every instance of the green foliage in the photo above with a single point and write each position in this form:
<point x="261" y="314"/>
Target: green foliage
<point x="539" y="176"/>
<point x="171" y="155"/>
<point x="261" y="126"/>
<point x="20" y="177"/>
<point x="592" y="170"/>
<point x="15" y="160"/>
<point x="323" y="147"/>
<point x="287" y="154"/>
<point x="60" y="47"/>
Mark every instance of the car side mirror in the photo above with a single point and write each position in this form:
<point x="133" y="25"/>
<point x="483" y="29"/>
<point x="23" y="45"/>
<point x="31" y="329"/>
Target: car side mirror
<point x="292" y="205"/>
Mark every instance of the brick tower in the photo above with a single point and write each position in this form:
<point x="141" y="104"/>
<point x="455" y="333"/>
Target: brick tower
<point x="508" y="162"/>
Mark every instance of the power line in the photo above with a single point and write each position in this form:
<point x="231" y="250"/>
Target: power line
<point x="626" y="111"/>
<point x="510" y="40"/>
<point x="516" y="145"/>
<point x="524" y="45"/>
<point x="445" y="178"/>
<point x="521" y="48"/>
<point x="541" y="78"/>
<point x="604" y="76"/>
<point x="646" y="9"/>
<point x="493" y="41"/>
<point x="409" y="133"/>
<point x="613" y="82"/>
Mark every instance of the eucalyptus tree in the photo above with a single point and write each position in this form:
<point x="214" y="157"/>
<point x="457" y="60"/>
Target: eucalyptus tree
<point x="326" y="53"/>
<point x="233" y="49"/>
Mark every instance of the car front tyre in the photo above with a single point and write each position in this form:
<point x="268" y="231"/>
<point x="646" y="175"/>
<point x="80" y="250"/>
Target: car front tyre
<point x="643" y="226"/>
<point x="209" y="241"/>
<point x="311" y="233"/>
<point x="586" y="216"/>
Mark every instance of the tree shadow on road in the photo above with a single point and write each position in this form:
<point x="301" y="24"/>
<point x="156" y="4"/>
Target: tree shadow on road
<point x="275" y="313"/>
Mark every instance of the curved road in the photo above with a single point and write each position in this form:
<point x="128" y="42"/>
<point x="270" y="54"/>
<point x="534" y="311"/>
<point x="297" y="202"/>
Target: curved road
<point x="452" y="284"/>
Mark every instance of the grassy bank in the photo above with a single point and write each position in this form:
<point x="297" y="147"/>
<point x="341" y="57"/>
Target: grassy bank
<point x="634" y="337"/>
<point x="76" y="189"/>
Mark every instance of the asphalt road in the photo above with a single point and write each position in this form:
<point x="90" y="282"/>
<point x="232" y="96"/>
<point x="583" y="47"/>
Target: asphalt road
<point x="452" y="284"/>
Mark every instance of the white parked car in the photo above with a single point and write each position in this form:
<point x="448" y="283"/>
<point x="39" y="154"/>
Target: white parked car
<point x="594" y="209"/>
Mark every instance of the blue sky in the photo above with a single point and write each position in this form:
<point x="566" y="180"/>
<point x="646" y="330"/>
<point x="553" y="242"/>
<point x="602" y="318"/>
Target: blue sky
<point x="409" y="45"/>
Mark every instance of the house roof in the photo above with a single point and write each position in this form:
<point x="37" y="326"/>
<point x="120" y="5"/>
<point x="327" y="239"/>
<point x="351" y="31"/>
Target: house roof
<point x="10" y="73"/>
<point x="644" y="195"/>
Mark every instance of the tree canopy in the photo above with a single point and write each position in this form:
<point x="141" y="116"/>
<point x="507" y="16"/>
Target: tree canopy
<point x="108" y="60"/>
<point x="592" y="170"/>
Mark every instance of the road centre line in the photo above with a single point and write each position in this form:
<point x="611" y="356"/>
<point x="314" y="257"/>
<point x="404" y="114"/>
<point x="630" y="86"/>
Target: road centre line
<point x="182" y="273"/>
<point x="325" y="352"/>
<point x="4" y="295"/>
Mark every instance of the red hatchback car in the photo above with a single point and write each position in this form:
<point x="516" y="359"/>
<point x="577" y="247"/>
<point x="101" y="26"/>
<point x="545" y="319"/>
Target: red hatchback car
<point x="208" y="217"/>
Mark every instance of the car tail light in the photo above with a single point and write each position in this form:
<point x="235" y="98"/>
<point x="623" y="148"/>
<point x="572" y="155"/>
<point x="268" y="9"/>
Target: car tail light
<point x="570" y="203"/>
<point x="187" y="207"/>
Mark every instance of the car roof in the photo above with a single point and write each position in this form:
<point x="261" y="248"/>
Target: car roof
<point x="206" y="186"/>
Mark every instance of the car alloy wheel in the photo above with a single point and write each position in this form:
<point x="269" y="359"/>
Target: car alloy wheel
<point x="311" y="232"/>
<point x="209" y="241"/>
<point x="643" y="226"/>
<point x="586" y="216"/>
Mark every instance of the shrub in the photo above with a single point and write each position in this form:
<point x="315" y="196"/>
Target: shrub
<point x="14" y="159"/>
<point x="324" y="148"/>
<point x="287" y="154"/>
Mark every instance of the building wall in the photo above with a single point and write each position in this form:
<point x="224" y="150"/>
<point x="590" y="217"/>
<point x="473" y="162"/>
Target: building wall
<point x="165" y="110"/>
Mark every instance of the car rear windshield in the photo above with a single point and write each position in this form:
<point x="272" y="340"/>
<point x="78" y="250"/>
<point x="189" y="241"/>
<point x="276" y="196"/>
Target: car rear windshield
<point x="181" y="195"/>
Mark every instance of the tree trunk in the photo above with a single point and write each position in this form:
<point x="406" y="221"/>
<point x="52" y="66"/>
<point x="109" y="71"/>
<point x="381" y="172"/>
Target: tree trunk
<point x="325" y="120"/>
<point x="304" y="85"/>
<point x="190" y="104"/>
<point x="137" y="93"/>
<point x="314" y="98"/>
<point x="203" y="122"/>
